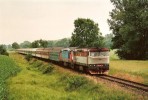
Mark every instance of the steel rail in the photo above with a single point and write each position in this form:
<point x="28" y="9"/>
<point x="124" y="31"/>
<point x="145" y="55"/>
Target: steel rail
<point x="132" y="84"/>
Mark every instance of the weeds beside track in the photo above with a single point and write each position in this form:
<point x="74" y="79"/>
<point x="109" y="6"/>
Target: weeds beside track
<point x="61" y="84"/>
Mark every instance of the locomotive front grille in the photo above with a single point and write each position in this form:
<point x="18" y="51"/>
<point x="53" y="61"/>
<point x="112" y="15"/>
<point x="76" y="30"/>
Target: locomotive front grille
<point x="98" y="66"/>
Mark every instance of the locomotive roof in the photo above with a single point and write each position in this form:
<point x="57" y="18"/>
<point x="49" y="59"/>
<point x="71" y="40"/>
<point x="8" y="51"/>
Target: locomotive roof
<point x="92" y="49"/>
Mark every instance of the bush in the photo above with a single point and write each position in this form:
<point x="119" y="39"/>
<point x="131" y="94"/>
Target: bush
<point x="48" y="69"/>
<point x="6" y="53"/>
<point x="28" y="57"/>
<point x="3" y="50"/>
<point x="39" y="65"/>
<point x="75" y="82"/>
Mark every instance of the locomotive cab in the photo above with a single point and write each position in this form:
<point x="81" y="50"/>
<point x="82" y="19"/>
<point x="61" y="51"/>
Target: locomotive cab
<point x="98" y="61"/>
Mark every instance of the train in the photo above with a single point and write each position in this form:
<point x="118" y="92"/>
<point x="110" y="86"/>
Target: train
<point x="89" y="60"/>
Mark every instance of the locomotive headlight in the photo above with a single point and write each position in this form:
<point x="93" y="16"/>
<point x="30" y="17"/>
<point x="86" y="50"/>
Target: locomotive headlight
<point x="94" y="65"/>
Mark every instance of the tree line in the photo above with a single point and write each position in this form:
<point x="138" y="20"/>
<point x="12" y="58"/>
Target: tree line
<point x="65" y="42"/>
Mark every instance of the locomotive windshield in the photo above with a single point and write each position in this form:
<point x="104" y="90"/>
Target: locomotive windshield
<point x="104" y="53"/>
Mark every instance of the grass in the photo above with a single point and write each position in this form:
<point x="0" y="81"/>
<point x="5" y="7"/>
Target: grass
<point x="113" y="55"/>
<point x="7" y="69"/>
<point x="134" y="70"/>
<point x="32" y="84"/>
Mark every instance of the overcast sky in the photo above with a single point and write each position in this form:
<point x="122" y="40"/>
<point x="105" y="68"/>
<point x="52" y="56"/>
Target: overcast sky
<point x="31" y="20"/>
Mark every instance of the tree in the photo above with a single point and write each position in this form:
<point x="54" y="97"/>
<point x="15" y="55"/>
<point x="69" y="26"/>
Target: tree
<point x="3" y="50"/>
<point x="35" y="44"/>
<point x="25" y="44"/>
<point x="62" y="43"/>
<point x="39" y="43"/>
<point x="86" y="34"/>
<point x="108" y="40"/>
<point x="130" y="28"/>
<point x="50" y="43"/>
<point x="15" y="45"/>
<point x="9" y="47"/>
<point x="43" y="43"/>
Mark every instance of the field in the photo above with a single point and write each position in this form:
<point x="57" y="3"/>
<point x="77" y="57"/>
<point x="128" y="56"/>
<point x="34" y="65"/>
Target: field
<point x="7" y="68"/>
<point x="42" y="81"/>
<point x="133" y="70"/>
<point x="38" y="80"/>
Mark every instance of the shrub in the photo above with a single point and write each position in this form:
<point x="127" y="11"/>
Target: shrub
<point x="3" y="50"/>
<point x="6" y="53"/>
<point x="28" y="57"/>
<point x="28" y="68"/>
<point x="74" y="82"/>
<point x="37" y="64"/>
<point x="48" y="69"/>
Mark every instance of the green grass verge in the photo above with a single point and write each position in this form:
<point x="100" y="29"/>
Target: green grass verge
<point x="113" y="55"/>
<point x="33" y="84"/>
<point x="134" y="70"/>
<point x="7" y="68"/>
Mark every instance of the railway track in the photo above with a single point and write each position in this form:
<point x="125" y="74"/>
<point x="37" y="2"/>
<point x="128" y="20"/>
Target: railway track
<point x="124" y="82"/>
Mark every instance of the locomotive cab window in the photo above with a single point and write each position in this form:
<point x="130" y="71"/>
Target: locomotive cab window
<point x="104" y="53"/>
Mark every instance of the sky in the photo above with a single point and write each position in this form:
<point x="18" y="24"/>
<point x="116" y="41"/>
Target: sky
<point x="30" y="20"/>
